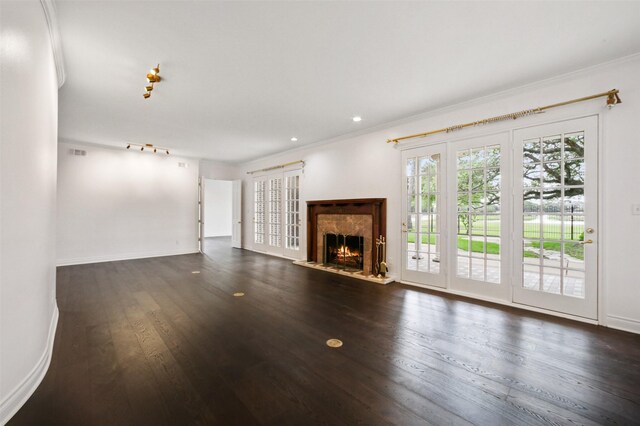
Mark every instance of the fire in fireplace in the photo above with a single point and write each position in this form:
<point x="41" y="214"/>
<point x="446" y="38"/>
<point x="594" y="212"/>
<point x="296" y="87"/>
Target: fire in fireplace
<point x="344" y="251"/>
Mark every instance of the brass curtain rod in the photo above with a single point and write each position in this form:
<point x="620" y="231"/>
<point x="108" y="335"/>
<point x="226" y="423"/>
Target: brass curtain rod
<point x="612" y="99"/>
<point x="279" y="166"/>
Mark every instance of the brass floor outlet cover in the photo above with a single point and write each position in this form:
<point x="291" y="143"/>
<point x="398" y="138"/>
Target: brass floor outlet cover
<point x="334" y="343"/>
<point x="239" y="294"/>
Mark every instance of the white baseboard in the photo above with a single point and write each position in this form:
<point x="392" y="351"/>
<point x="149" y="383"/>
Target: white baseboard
<point x="127" y="256"/>
<point x="623" y="323"/>
<point x="10" y="405"/>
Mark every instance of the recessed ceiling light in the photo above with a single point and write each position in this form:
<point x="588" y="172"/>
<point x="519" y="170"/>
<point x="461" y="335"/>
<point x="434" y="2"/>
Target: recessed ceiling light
<point x="294" y="139"/>
<point x="357" y="118"/>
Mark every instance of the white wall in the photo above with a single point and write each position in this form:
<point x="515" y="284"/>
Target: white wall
<point x="373" y="168"/>
<point x="29" y="114"/>
<point x="217" y="208"/>
<point x="218" y="170"/>
<point x="121" y="204"/>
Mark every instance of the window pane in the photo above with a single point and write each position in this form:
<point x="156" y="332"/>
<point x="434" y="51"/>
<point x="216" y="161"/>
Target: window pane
<point x="552" y="148"/>
<point x="574" y="145"/>
<point x="531" y="151"/>
<point x="574" y="171"/>
<point x="411" y="167"/>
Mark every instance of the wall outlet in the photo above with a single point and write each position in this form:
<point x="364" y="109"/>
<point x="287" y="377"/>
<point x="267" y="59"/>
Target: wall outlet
<point x="635" y="208"/>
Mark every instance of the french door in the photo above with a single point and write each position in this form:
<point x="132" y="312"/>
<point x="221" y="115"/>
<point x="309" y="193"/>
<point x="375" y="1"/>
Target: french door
<point x="291" y="221"/>
<point x="276" y="215"/>
<point x="479" y="216"/>
<point x="556" y="218"/>
<point x="260" y="213"/>
<point x="511" y="216"/>
<point x="423" y="216"/>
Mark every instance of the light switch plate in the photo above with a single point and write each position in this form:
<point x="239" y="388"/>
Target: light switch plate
<point x="635" y="208"/>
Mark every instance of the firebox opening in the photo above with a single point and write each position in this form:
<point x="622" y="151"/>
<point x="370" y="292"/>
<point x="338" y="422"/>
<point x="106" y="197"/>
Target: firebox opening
<point x="344" y="251"/>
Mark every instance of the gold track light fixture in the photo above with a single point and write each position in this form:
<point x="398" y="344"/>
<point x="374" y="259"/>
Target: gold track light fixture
<point x="148" y="147"/>
<point x="153" y="77"/>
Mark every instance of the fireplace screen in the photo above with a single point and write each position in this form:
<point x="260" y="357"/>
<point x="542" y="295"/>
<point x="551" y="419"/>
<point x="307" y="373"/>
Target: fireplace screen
<point x="344" y="251"/>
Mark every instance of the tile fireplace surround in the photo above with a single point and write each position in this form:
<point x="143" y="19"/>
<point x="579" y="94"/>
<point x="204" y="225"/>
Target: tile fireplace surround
<point x="366" y="217"/>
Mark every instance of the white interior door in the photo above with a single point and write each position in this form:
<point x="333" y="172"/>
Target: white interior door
<point x="260" y="213"/>
<point x="479" y="215"/>
<point x="423" y="216"/>
<point x="236" y="214"/>
<point x="556" y="218"/>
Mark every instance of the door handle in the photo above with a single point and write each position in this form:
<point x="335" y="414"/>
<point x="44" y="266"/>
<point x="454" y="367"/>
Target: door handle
<point x="586" y="242"/>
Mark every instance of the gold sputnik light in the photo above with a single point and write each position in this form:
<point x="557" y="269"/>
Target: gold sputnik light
<point x="148" y="147"/>
<point x="153" y="77"/>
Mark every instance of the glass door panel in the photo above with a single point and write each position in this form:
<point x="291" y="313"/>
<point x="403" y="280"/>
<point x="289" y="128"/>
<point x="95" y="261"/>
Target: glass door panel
<point x="274" y="224"/>
<point x="422" y="212"/>
<point x="292" y="214"/>
<point x="557" y="218"/>
<point x="259" y="213"/>
<point x="477" y="238"/>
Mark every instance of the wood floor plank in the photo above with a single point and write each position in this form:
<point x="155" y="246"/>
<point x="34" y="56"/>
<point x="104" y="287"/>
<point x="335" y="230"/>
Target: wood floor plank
<point x="147" y="342"/>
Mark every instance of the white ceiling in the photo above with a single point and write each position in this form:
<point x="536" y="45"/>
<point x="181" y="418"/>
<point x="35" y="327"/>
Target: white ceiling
<point x="241" y="78"/>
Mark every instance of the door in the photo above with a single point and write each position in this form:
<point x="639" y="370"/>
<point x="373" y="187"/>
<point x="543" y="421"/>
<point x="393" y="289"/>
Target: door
<point x="260" y="213"/>
<point x="274" y="214"/>
<point x="556" y="216"/>
<point x="479" y="215"/>
<point x="292" y="214"/>
<point x="236" y="214"/>
<point x="423" y="248"/>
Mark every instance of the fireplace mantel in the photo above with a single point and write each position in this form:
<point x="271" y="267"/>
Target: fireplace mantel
<point x="374" y="207"/>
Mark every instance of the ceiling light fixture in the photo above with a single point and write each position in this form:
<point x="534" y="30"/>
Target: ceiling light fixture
<point x="357" y="119"/>
<point x="149" y="147"/>
<point x="294" y="139"/>
<point x="153" y="77"/>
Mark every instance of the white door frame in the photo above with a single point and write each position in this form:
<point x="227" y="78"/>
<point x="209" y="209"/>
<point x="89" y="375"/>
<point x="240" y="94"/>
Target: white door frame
<point x="586" y="307"/>
<point x="236" y="214"/>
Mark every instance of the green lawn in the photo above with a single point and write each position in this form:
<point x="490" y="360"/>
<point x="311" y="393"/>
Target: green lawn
<point x="573" y="250"/>
<point x="463" y="244"/>
<point x="531" y="231"/>
<point x="552" y="231"/>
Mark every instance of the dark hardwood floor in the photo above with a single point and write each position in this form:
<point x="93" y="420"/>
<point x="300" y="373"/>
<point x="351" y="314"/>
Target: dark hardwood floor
<point x="147" y="342"/>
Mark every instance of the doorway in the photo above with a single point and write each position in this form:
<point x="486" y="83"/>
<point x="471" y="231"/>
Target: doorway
<point x="511" y="216"/>
<point x="220" y="223"/>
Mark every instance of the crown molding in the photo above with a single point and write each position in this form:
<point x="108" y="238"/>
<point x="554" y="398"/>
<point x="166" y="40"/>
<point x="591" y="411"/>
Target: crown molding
<point x="49" y="9"/>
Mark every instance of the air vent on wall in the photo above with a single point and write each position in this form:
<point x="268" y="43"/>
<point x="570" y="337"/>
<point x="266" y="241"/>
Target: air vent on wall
<point x="80" y="152"/>
<point x="183" y="165"/>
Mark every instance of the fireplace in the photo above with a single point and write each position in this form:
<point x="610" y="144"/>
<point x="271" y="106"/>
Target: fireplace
<point x="364" y="219"/>
<point x="344" y="251"/>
